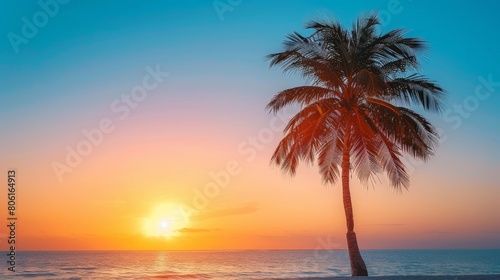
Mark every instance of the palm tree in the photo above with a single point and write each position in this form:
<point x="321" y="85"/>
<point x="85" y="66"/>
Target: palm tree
<point x="354" y="111"/>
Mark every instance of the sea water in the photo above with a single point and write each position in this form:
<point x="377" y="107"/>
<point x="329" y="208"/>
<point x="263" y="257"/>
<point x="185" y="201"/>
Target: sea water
<point x="244" y="264"/>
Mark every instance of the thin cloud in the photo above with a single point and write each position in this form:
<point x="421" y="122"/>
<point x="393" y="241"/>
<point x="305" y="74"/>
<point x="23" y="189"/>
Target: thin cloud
<point x="193" y="230"/>
<point x="437" y="232"/>
<point x="489" y="231"/>
<point x="383" y="225"/>
<point x="241" y="210"/>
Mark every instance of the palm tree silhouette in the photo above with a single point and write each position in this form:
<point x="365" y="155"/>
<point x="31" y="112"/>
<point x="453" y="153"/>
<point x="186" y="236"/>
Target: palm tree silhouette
<point x="354" y="113"/>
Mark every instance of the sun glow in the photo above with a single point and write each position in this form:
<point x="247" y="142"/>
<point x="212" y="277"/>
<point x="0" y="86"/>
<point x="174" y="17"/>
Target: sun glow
<point x="166" y="220"/>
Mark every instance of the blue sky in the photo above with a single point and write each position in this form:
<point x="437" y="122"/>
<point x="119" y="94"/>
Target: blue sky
<point x="116" y="38"/>
<point x="90" y="51"/>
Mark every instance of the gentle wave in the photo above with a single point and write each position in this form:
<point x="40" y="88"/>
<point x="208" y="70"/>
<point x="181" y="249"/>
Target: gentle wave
<point x="229" y="265"/>
<point x="182" y="276"/>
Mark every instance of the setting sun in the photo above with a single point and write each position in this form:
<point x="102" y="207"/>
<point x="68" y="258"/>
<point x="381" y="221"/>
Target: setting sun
<point x="165" y="220"/>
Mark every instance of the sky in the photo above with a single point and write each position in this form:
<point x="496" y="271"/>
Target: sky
<point x="135" y="125"/>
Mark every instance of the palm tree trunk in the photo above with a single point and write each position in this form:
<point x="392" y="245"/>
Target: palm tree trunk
<point x="358" y="267"/>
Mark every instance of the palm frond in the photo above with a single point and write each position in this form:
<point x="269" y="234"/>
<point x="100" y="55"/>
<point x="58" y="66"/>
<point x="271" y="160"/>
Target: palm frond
<point x="330" y="157"/>
<point x="416" y="90"/>
<point x="359" y="81"/>
<point x="390" y="157"/>
<point x="303" y="96"/>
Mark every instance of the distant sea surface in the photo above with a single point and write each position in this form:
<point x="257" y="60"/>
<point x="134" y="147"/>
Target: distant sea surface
<point x="244" y="264"/>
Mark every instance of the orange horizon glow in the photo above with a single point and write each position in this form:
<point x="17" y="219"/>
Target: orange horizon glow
<point x="236" y="212"/>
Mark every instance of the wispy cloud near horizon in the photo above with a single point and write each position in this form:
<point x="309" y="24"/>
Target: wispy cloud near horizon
<point x="247" y="208"/>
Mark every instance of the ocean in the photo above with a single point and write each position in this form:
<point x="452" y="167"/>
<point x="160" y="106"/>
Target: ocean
<point x="244" y="264"/>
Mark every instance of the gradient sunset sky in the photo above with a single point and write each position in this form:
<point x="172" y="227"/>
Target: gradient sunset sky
<point x="156" y="167"/>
